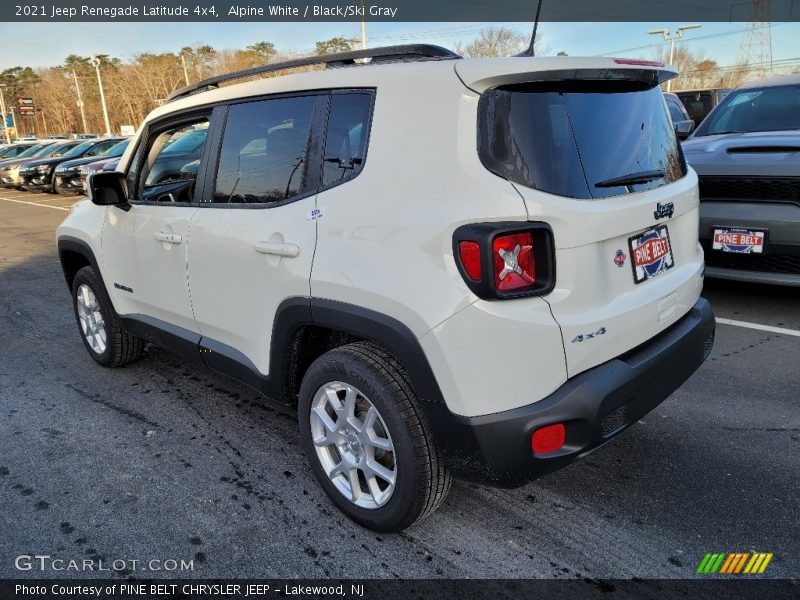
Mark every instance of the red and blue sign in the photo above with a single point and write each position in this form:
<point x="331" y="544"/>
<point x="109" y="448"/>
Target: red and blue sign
<point x="651" y="253"/>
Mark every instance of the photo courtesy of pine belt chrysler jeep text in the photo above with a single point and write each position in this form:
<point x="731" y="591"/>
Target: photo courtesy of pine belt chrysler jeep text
<point x="482" y="268"/>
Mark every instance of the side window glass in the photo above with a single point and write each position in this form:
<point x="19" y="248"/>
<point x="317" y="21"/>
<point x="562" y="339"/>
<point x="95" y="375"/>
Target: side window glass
<point x="674" y="111"/>
<point x="264" y="151"/>
<point x="171" y="162"/>
<point x="346" y="139"/>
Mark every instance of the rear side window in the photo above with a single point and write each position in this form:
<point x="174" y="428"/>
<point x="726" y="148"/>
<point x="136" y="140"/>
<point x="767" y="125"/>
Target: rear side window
<point x="580" y="139"/>
<point x="346" y="139"/>
<point x="675" y="111"/>
<point x="264" y="151"/>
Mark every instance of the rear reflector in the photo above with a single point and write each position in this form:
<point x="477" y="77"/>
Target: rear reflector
<point x="638" y="62"/>
<point x="470" y="255"/>
<point x="548" y="439"/>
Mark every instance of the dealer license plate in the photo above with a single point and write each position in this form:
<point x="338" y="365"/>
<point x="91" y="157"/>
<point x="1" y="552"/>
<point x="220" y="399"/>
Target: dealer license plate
<point x="741" y="240"/>
<point x="651" y="253"/>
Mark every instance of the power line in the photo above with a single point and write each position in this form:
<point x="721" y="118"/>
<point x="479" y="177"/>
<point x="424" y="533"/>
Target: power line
<point x="692" y="39"/>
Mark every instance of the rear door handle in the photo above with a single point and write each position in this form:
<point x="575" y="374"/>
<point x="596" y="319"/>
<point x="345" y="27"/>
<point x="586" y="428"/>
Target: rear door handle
<point x="169" y="238"/>
<point x="285" y="250"/>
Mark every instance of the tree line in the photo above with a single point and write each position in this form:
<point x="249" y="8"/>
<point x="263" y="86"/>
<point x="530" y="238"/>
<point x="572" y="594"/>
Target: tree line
<point x="132" y="88"/>
<point x="136" y="86"/>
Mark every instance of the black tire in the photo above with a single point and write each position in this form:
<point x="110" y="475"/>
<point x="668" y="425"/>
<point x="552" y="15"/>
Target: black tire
<point x="121" y="347"/>
<point x="422" y="482"/>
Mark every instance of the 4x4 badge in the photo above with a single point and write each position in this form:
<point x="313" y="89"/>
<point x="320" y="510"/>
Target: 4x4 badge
<point x="663" y="210"/>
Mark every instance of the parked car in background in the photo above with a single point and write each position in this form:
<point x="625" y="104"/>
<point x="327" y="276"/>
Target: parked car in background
<point x="747" y="156"/>
<point x="684" y="124"/>
<point x="9" y="169"/>
<point x="109" y="164"/>
<point x="13" y="150"/>
<point x="68" y="176"/>
<point x="699" y="103"/>
<point x="39" y="175"/>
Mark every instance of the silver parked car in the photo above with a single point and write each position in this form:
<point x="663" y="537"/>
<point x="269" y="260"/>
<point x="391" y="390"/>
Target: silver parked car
<point x="747" y="155"/>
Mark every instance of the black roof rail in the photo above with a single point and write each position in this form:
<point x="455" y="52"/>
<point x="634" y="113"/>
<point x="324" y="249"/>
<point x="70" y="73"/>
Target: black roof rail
<point x="403" y="53"/>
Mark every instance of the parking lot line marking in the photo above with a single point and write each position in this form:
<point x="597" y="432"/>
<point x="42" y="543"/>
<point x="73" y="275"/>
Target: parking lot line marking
<point x="35" y="204"/>
<point x="746" y="325"/>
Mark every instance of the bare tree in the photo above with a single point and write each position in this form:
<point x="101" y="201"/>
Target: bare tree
<point x="497" y="41"/>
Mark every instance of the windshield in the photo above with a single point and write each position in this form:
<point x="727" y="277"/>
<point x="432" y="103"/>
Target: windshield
<point x="79" y="149"/>
<point x="580" y="139"/>
<point x="116" y="149"/>
<point x="32" y="151"/>
<point x="59" y="150"/>
<point x="775" y="108"/>
<point x="188" y="142"/>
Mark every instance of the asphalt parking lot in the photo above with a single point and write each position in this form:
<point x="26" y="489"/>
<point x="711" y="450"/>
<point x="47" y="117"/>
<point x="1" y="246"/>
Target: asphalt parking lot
<point x="165" y="461"/>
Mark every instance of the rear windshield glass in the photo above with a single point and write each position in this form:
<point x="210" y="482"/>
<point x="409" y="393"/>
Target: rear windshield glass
<point x="580" y="139"/>
<point x="755" y="109"/>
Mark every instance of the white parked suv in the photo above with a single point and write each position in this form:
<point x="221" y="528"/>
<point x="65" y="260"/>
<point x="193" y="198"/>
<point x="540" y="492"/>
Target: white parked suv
<point x="486" y="268"/>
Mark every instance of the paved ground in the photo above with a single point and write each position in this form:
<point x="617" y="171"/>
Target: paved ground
<point x="163" y="461"/>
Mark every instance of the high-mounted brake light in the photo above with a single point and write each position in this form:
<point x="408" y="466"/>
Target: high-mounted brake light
<point x="639" y="62"/>
<point x="505" y="260"/>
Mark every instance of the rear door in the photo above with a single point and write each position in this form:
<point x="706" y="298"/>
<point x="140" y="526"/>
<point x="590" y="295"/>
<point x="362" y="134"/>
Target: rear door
<point x="254" y="236"/>
<point x="598" y="160"/>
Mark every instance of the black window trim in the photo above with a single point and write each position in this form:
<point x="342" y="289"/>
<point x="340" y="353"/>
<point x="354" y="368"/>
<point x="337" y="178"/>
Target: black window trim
<point x="316" y="147"/>
<point x="324" y="137"/>
<point x="157" y="126"/>
<point x="312" y="149"/>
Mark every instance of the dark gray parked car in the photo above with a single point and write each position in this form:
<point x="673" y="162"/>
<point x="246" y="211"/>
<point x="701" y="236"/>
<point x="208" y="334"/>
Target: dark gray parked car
<point x="747" y="155"/>
<point x="683" y="123"/>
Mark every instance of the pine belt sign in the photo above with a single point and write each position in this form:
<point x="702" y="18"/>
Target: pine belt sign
<point x="26" y="107"/>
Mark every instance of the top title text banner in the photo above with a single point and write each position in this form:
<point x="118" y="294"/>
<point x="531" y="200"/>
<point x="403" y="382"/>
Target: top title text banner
<point x="402" y="10"/>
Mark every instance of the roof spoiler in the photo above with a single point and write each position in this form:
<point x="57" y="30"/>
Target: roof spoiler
<point x="483" y="74"/>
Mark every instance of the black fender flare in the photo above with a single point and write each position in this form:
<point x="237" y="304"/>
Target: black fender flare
<point x="68" y="243"/>
<point x="396" y="337"/>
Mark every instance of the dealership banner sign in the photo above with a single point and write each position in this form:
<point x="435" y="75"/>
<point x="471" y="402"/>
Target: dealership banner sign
<point x="372" y="589"/>
<point x="396" y="10"/>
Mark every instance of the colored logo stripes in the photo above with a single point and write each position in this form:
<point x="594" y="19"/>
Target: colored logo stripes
<point x="734" y="563"/>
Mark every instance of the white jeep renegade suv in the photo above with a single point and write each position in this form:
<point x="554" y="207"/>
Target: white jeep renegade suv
<point x="485" y="268"/>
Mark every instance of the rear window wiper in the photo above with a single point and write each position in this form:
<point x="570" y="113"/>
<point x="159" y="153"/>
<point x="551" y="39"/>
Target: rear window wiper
<point x="631" y="179"/>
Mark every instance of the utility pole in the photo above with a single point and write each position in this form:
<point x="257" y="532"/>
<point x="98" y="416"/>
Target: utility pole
<point x="80" y="102"/>
<point x="3" y="110"/>
<point x="671" y="39"/>
<point x="185" y="70"/>
<point x="363" y="29"/>
<point x="96" y="63"/>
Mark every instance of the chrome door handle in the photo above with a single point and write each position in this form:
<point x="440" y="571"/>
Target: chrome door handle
<point x="285" y="250"/>
<point x="169" y="238"/>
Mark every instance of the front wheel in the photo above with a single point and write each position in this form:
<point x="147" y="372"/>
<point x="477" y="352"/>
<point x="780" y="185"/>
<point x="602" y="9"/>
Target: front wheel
<point x="362" y="431"/>
<point x="102" y="332"/>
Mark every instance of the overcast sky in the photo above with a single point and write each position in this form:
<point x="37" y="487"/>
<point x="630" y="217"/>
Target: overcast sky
<point x="47" y="44"/>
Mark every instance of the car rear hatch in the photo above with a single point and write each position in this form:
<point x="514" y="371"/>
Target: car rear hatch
<point x="590" y="147"/>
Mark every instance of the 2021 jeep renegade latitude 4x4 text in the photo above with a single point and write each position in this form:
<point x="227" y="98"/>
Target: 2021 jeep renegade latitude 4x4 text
<point x="483" y="268"/>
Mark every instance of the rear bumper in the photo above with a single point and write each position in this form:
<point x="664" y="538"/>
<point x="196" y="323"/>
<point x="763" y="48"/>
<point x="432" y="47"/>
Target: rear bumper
<point x="594" y="407"/>
<point x="780" y="262"/>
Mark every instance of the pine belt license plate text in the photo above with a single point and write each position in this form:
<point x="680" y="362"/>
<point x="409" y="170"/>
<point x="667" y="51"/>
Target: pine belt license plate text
<point x="738" y="239"/>
<point x="651" y="253"/>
